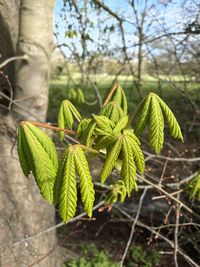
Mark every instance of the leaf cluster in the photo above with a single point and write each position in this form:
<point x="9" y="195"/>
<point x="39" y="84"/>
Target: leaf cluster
<point x="108" y="135"/>
<point x="76" y="96"/>
<point x="152" y="112"/>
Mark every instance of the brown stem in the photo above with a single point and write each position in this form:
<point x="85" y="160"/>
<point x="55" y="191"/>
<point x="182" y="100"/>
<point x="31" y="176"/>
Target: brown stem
<point x="110" y="94"/>
<point x="45" y="125"/>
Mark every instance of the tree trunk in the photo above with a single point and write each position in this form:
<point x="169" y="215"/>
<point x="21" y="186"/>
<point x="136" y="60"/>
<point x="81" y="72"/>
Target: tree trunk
<point x="23" y="212"/>
<point x="36" y="41"/>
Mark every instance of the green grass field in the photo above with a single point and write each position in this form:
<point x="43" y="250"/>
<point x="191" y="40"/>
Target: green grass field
<point x="168" y="90"/>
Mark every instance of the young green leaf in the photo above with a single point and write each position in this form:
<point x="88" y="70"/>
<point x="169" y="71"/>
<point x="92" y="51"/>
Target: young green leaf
<point x="194" y="186"/>
<point x="128" y="171"/>
<point x="22" y="152"/>
<point x="112" y="111"/>
<point x="120" y="98"/>
<point x="120" y="125"/>
<point x="111" y="159"/>
<point x="43" y="164"/>
<point x="65" y="119"/>
<point x="156" y="129"/>
<point x="103" y="123"/>
<point x="130" y="133"/>
<point x="116" y="113"/>
<point x="117" y="95"/>
<point x="124" y="103"/>
<point x="137" y="154"/>
<point x="80" y="96"/>
<point x="90" y="133"/>
<point x="143" y="116"/>
<point x="82" y="128"/>
<point x="73" y="110"/>
<point x="105" y="140"/>
<point x="59" y="177"/>
<point x="174" y="127"/>
<point x="68" y="191"/>
<point x="65" y="116"/>
<point x="46" y="143"/>
<point x="86" y="185"/>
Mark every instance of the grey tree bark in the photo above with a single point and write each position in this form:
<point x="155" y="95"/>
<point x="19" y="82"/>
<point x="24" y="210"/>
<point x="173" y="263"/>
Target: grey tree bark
<point x="23" y="212"/>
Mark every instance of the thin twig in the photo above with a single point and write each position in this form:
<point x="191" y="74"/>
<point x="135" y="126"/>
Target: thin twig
<point x="45" y="125"/>
<point x="139" y="223"/>
<point x="52" y="228"/>
<point x="170" y="158"/>
<point x="176" y="233"/>
<point x="169" y="196"/>
<point x="8" y="60"/>
<point x="133" y="228"/>
<point x="110" y="94"/>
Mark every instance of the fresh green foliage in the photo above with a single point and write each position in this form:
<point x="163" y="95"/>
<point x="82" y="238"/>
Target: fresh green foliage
<point x="92" y="257"/>
<point x="119" y="97"/>
<point x="138" y="256"/>
<point x="113" y="111"/>
<point x="128" y="170"/>
<point x="68" y="191"/>
<point x="111" y="159"/>
<point x="194" y="186"/>
<point x="86" y="185"/>
<point x="156" y="127"/>
<point x="65" y="116"/>
<point x="151" y="111"/>
<point x="65" y="191"/>
<point x="37" y="153"/>
<point x="118" y="191"/>
<point x="76" y="96"/>
<point x="107" y="135"/>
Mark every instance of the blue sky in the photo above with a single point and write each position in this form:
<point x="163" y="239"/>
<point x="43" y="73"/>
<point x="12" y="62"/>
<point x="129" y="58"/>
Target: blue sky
<point x="170" y="15"/>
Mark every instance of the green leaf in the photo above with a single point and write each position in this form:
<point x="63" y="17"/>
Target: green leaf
<point x="82" y="128"/>
<point x="73" y="110"/>
<point x="120" y="98"/>
<point x="111" y="159"/>
<point x="137" y="154"/>
<point x="22" y="148"/>
<point x="116" y="113"/>
<point x="156" y="129"/>
<point x="90" y="132"/>
<point x="128" y="171"/>
<point x="46" y="143"/>
<point x="130" y="133"/>
<point x="174" y="127"/>
<point x="59" y="177"/>
<point x="103" y="123"/>
<point x="65" y="116"/>
<point x="124" y="103"/>
<point x="143" y="116"/>
<point x="105" y="140"/>
<point x="80" y="96"/>
<point x="42" y="164"/>
<point x="65" y="119"/>
<point x="120" y="125"/>
<point x="112" y="111"/>
<point x="118" y="190"/>
<point x="86" y="185"/>
<point x="117" y="95"/>
<point x="194" y="186"/>
<point x="68" y="191"/>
